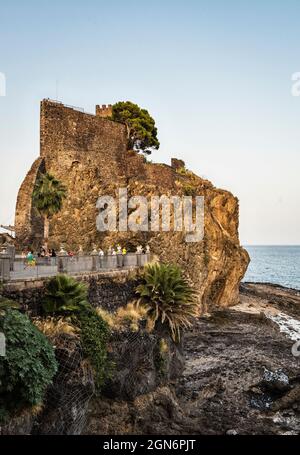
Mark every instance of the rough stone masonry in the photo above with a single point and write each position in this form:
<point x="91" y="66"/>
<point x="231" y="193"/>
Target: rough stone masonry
<point x="89" y="154"/>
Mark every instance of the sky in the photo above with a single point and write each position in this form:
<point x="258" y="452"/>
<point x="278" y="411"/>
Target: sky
<point x="215" y="75"/>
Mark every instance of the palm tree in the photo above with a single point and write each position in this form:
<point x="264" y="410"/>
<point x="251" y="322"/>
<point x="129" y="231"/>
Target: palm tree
<point x="48" y="195"/>
<point x="168" y="297"/>
<point x="65" y="295"/>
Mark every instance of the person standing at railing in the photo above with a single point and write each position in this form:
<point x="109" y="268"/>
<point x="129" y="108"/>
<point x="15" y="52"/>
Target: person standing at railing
<point x="30" y="259"/>
<point x="24" y="258"/>
<point x="42" y="252"/>
<point x="52" y="254"/>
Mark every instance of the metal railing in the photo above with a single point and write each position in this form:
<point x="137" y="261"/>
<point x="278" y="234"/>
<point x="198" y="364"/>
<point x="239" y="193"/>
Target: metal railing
<point x="75" y="108"/>
<point x="20" y="269"/>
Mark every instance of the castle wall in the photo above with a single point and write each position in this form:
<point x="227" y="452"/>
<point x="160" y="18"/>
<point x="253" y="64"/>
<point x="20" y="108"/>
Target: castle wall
<point x="28" y="224"/>
<point x="84" y="151"/>
<point x="68" y="135"/>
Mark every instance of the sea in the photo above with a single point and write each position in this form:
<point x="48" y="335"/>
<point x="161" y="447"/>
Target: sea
<point x="274" y="264"/>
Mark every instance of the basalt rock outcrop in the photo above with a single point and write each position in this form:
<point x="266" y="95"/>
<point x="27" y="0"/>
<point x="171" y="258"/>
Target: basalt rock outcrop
<point x="89" y="154"/>
<point x="240" y="377"/>
<point x="139" y="362"/>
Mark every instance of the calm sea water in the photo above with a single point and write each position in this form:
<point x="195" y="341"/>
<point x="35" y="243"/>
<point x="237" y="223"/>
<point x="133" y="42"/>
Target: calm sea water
<point x="274" y="264"/>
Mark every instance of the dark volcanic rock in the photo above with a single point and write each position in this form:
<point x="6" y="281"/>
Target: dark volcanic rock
<point x="66" y="404"/>
<point x="140" y="364"/>
<point x="276" y="381"/>
<point x="240" y="378"/>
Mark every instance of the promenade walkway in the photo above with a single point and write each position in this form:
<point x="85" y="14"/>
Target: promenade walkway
<point x="18" y="269"/>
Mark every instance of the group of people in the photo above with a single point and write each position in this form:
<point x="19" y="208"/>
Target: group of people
<point x="113" y="252"/>
<point x="45" y="253"/>
<point x="30" y="257"/>
<point x="120" y="250"/>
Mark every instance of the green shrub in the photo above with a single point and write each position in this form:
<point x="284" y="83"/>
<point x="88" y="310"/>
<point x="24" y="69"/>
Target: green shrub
<point x="162" y="357"/>
<point x="29" y="365"/>
<point x="168" y="297"/>
<point x="189" y="190"/>
<point x="181" y="170"/>
<point x="5" y="304"/>
<point x="94" y="336"/>
<point x="64" y="295"/>
<point x="141" y="129"/>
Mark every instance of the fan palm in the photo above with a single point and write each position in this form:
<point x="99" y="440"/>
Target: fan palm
<point x="65" y="295"/>
<point x="168" y="297"/>
<point x="48" y="195"/>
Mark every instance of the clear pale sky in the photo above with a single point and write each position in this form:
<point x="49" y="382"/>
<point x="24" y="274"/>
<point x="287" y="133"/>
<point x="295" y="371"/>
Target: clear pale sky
<point x="215" y="75"/>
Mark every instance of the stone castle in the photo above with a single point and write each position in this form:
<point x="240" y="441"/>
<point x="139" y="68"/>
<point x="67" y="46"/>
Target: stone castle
<point x="89" y="154"/>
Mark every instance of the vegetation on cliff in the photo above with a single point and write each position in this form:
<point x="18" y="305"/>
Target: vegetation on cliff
<point x="64" y="296"/>
<point x="28" y="366"/>
<point x="5" y="304"/>
<point x="168" y="298"/>
<point x="94" y="334"/>
<point x="142" y="132"/>
<point x="125" y="318"/>
<point x="67" y="297"/>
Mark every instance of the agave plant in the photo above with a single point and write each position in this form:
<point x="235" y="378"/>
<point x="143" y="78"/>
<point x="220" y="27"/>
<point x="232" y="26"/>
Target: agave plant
<point x="65" y="295"/>
<point x="168" y="297"/>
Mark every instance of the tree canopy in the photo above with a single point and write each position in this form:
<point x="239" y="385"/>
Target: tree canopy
<point x="142" y="132"/>
<point x="48" y="195"/>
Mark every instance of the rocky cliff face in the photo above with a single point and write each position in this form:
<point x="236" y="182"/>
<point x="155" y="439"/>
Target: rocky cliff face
<point x="89" y="155"/>
<point x="139" y="363"/>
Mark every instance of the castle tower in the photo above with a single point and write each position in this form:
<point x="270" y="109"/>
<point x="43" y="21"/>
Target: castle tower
<point x="104" y="110"/>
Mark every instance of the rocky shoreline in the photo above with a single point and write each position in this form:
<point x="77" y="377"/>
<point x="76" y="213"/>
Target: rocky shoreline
<point x="240" y="375"/>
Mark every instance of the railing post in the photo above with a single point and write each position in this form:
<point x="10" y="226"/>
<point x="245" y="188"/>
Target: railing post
<point x="4" y="266"/>
<point x="119" y="260"/>
<point x="101" y="260"/>
<point x="63" y="260"/>
<point x="148" y="254"/>
<point x="111" y="261"/>
<point x="138" y="259"/>
<point x="95" y="260"/>
<point x="11" y="251"/>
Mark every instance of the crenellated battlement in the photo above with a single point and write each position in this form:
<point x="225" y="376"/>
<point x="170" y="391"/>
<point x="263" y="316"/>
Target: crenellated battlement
<point x="104" y="111"/>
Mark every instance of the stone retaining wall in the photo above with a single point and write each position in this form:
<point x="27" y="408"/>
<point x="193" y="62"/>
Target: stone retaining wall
<point x="109" y="290"/>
